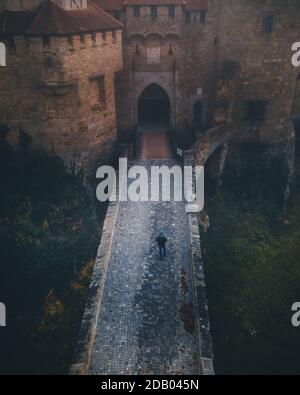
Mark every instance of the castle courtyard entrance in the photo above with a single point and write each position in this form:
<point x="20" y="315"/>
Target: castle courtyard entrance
<point x="154" y="118"/>
<point x="154" y="107"/>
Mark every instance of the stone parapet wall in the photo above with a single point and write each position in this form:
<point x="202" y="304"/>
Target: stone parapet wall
<point x="83" y="350"/>
<point x="232" y="35"/>
<point x="281" y="149"/>
<point x="201" y="313"/>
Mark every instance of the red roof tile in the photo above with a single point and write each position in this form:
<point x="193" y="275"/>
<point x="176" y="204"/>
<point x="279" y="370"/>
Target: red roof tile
<point x="191" y="5"/>
<point x="51" y="19"/>
<point x="15" y="22"/>
<point x="153" y="2"/>
<point x="196" y="5"/>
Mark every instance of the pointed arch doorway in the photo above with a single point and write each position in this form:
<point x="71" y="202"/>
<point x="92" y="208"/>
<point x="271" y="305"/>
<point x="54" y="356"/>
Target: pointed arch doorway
<point x="154" y="106"/>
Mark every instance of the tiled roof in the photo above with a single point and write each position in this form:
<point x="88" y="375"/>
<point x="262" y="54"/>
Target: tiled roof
<point x="15" y="22"/>
<point x="196" y="5"/>
<point x="191" y="5"/>
<point x="153" y="2"/>
<point x="109" y="5"/>
<point x="51" y="19"/>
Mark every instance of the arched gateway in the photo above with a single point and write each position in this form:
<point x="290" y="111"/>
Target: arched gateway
<point x="154" y="106"/>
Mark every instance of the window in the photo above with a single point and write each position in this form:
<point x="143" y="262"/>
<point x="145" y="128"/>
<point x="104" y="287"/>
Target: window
<point x="171" y="11"/>
<point x="296" y="104"/>
<point x="136" y="11"/>
<point x="222" y="104"/>
<point x="97" y="91"/>
<point x="187" y="16"/>
<point x="116" y="15"/>
<point x="268" y="24"/>
<point x="82" y="39"/>
<point x="70" y="40"/>
<point x="203" y="16"/>
<point x="255" y="110"/>
<point x="11" y="43"/>
<point x="73" y="4"/>
<point x="154" y="12"/>
<point x="230" y="70"/>
<point x="46" y="41"/>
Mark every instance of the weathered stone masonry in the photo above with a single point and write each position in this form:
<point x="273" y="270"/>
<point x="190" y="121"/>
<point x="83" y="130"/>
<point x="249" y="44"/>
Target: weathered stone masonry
<point x="224" y="66"/>
<point x="256" y="37"/>
<point x="58" y="85"/>
<point x="218" y="61"/>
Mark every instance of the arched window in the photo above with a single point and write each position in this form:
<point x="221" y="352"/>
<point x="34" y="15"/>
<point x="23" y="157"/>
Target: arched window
<point x="198" y="113"/>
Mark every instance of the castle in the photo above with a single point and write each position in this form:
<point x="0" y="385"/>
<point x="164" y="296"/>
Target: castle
<point x="83" y="74"/>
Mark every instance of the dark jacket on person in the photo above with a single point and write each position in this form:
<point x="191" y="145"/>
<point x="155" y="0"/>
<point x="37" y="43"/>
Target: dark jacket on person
<point x="161" y="240"/>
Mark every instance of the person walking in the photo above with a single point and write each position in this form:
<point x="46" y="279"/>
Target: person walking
<point x="161" y="241"/>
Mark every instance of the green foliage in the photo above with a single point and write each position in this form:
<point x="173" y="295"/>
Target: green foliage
<point x="258" y="180"/>
<point x="48" y="235"/>
<point x="253" y="276"/>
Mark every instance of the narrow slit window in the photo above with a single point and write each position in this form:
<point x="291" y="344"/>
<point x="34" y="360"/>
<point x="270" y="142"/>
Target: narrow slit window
<point x="46" y="41"/>
<point x="203" y="17"/>
<point x="82" y="39"/>
<point x="188" y="17"/>
<point x="171" y="11"/>
<point x="268" y="23"/>
<point x="255" y="110"/>
<point x="97" y="91"/>
<point x="136" y="11"/>
<point x="154" y="12"/>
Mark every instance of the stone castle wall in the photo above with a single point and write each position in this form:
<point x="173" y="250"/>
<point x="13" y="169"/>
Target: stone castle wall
<point x="62" y="93"/>
<point x="222" y="59"/>
<point x="224" y="62"/>
<point x="264" y="59"/>
<point x="182" y="50"/>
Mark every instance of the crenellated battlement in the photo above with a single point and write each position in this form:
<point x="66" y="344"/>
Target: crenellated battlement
<point x="25" y="5"/>
<point x="22" y="45"/>
<point x="218" y="61"/>
<point x="20" y="5"/>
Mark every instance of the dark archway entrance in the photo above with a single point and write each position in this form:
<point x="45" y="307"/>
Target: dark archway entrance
<point x="154" y="106"/>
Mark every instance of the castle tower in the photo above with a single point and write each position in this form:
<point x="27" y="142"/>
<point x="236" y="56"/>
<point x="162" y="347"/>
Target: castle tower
<point x="23" y="5"/>
<point x="58" y="84"/>
<point x="19" y="5"/>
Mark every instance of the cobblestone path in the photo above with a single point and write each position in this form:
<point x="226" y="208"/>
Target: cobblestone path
<point x="154" y="143"/>
<point x="146" y="323"/>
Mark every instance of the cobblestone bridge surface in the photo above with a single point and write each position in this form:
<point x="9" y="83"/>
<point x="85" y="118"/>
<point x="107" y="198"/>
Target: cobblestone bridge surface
<point x="146" y="321"/>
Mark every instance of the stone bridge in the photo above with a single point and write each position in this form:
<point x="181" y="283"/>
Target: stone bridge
<point x="146" y="316"/>
<point x="209" y="142"/>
